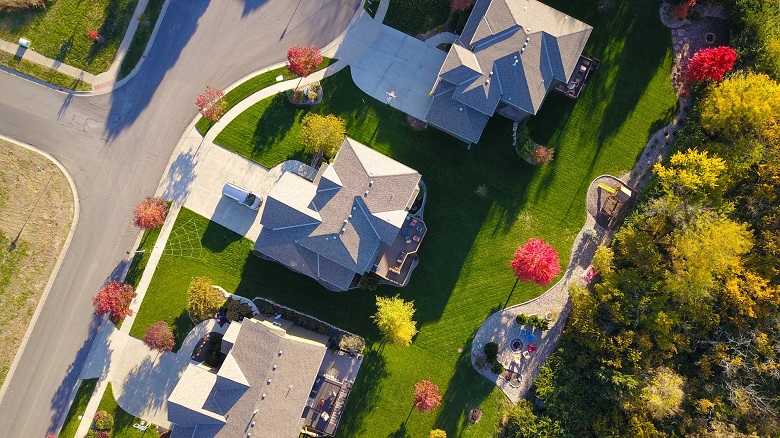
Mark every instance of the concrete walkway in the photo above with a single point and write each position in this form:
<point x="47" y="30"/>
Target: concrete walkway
<point x="100" y="81"/>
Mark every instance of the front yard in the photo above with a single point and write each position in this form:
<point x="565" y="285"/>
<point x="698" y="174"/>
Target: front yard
<point x="60" y="30"/>
<point x="463" y="276"/>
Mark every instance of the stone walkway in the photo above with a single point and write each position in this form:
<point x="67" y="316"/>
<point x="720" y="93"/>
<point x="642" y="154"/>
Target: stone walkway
<point x="501" y="326"/>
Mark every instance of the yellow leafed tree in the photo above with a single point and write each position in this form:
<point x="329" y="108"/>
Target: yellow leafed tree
<point x="742" y="104"/>
<point x="394" y="319"/>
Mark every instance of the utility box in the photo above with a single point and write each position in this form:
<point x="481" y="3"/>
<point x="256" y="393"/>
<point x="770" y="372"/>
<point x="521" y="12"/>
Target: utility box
<point x="24" y="42"/>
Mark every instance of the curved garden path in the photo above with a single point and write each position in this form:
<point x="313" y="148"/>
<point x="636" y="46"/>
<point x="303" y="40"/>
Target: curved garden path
<point x="501" y="327"/>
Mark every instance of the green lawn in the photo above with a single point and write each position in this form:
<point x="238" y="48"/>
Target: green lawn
<point x="140" y="259"/>
<point x="414" y="17"/>
<point x="141" y="37"/>
<point x="123" y="422"/>
<point x="252" y="86"/>
<point x="78" y="407"/>
<point x="38" y="71"/>
<point x="463" y="276"/>
<point x="60" y="30"/>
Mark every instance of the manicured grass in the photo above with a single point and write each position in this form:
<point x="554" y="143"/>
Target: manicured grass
<point x="38" y="71"/>
<point x="252" y="86"/>
<point x="140" y="259"/>
<point x="78" y="407"/>
<point x="463" y="276"/>
<point x="414" y="17"/>
<point x="60" y="30"/>
<point x="141" y="37"/>
<point x="123" y="422"/>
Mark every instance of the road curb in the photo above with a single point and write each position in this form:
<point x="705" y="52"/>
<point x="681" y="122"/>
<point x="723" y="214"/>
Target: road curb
<point x="57" y="264"/>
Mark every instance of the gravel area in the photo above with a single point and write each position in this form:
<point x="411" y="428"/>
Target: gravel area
<point x="687" y="37"/>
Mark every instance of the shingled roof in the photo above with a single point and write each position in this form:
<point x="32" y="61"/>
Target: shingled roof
<point x="510" y="52"/>
<point x="266" y="369"/>
<point x="331" y="229"/>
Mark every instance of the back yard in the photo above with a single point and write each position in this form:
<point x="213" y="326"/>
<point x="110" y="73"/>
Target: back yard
<point x="463" y="276"/>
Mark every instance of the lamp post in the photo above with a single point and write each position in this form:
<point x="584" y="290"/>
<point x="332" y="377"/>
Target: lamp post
<point x="390" y="97"/>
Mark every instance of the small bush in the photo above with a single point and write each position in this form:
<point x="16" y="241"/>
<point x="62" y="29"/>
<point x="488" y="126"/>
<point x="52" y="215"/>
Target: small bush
<point x="369" y="281"/>
<point x="104" y="421"/>
<point x="542" y="155"/>
<point x="523" y="143"/>
<point x="268" y="309"/>
<point x="497" y="368"/>
<point x="352" y="344"/>
<point x="491" y="351"/>
<point x="236" y="310"/>
<point x="521" y="319"/>
<point x="16" y="5"/>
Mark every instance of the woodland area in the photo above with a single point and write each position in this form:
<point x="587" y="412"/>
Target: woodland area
<point x="679" y="335"/>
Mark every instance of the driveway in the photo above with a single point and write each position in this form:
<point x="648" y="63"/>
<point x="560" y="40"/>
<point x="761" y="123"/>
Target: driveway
<point x="197" y="174"/>
<point x="383" y="60"/>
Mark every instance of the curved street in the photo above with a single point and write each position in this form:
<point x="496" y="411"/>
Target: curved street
<point x="115" y="147"/>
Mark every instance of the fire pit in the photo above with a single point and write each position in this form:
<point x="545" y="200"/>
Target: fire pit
<point x="516" y="345"/>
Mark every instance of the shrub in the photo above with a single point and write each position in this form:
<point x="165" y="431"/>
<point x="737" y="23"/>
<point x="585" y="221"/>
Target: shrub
<point x="497" y="368"/>
<point x="521" y="319"/>
<point x="523" y="143"/>
<point x="437" y="433"/>
<point x="491" y="351"/>
<point x="369" y="281"/>
<point x="150" y="213"/>
<point x="203" y="300"/>
<point x="352" y="344"/>
<point x="114" y="298"/>
<point x="159" y="337"/>
<point x="236" y="310"/>
<point x="103" y="421"/>
<point x="268" y="309"/>
<point x="16" y="5"/>
<point x="542" y="155"/>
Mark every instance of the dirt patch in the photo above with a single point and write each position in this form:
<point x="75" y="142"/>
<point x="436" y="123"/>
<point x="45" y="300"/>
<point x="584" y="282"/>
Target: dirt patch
<point x="416" y="124"/>
<point x="36" y="211"/>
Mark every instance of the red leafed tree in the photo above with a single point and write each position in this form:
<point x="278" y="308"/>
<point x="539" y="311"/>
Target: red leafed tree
<point x="302" y="61"/>
<point x="93" y="35"/>
<point x="536" y="261"/>
<point x="159" y="337"/>
<point x="150" y="213"/>
<point x="461" y="5"/>
<point x="426" y="396"/>
<point x="114" y="298"/>
<point x="711" y="64"/>
<point x="211" y="103"/>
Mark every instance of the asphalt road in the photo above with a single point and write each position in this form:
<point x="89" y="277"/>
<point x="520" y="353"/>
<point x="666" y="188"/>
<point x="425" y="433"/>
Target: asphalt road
<point x="115" y="148"/>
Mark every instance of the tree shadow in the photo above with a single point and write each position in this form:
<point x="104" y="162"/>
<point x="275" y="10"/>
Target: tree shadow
<point x="466" y="389"/>
<point x="181" y="176"/>
<point x="181" y="327"/>
<point x="177" y="27"/>
<point x="64" y="49"/>
<point x="274" y="125"/>
<point x="150" y="382"/>
<point x="218" y="237"/>
<point x="60" y="401"/>
<point x="112" y="31"/>
<point x="365" y="393"/>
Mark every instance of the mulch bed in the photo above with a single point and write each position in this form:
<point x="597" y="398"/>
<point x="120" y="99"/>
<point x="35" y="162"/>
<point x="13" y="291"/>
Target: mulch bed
<point x="416" y="124"/>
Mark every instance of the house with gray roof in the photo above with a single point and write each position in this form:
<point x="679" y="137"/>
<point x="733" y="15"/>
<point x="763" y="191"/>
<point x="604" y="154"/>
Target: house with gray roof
<point x="509" y="55"/>
<point x="352" y="218"/>
<point x="265" y="385"/>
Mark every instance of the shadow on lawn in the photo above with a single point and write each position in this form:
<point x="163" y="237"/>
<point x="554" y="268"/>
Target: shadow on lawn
<point x="365" y="392"/>
<point x="274" y="125"/>
<point x="60" y="401"/>
<point x="466" y="390"/>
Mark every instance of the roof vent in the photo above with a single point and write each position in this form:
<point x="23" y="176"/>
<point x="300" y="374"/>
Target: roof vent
<point x="280" y="352"/>
<point x="263" y="399"/>
<point x="522" y="50"/>
<point x="487" y="81"/>
<point x="349" y="217"/>
<point x="269" y="381"/>
<point x="527" y="39"/>
<point x="365" y="194"/>
<point x="353" y="208"/>
<point x="256" y="410"/>
<point x="274" y="367"/>
<point x="460" y="109"/>
<point x="371" y="183"/>
<point x="514" y="64"/>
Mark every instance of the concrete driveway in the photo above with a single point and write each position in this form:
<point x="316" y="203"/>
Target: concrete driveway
<point x="197" y="174"/>
<point x="383" y="59"/>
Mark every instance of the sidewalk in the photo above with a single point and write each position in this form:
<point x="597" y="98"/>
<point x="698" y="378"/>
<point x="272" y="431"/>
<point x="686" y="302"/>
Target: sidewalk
<point x="99" y="81"/>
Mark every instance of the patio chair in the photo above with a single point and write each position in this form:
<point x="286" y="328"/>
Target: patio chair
<point x="416" y="238"/>
<point x="413" y="222"/>
<point x="526" y="354"/>
<point x="531" y="348"/>
<point x="530" y="337"/>
<point x="523" y="332"/>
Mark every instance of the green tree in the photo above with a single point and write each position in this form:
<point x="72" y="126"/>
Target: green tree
<point x="203" y="300"/>
<point x="663" y="394"/>
<point x="322" y="133"/>
<point x="740" y="104"/>
<point x="692" y="173"/>
<point x="394" y="319"/>
<point x="437" y="433"/>
<point x="523" y="423"/>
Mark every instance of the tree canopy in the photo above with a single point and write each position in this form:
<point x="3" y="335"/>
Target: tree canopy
<point x="322" y="133"/>
<point x="394" y="319"/>
<point x="203" y="300"/>
<point x="536" y="261"/>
